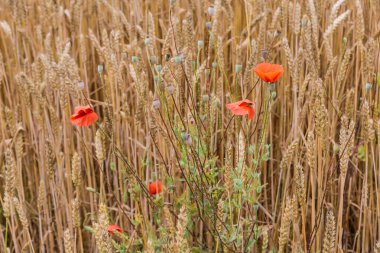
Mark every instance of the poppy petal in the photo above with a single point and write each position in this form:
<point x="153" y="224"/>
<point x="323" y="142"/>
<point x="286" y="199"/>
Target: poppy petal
<point x="251" y="113"/>
<point x="240" y="111"/>
<point x="80" y="108"/>
<point x="269" y="72"/>
<point x="83" y="116"/>
<point x="90" y="118"/>
<point x="112" y="228"/>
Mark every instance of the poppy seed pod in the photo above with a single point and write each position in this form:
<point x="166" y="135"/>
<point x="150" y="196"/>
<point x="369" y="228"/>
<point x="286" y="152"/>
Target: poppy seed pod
<point x="200" y="44"/>
<point x="178" y="59"/>
<point x="211" y="11"/>
<point x="134" y="59"/>
<point x="100" y="68"/>
<point x="238" y="68"/>
<point x="153" y="59"/>
<point x="147" y="41"/>
<point x="368" y="86"/>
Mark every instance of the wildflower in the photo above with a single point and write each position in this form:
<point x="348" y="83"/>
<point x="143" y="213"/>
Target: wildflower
<point x="186" y="138"/>
<point x="155" y="187"/>
<point x="269" y="72"/>
<point x="208" y="25"/>
<point x="112" y="228"/>
<point x="156" y="103"/>
<point x="170" y="89"/>
<point x="80" y="85"/>
<point x="83" y="116"/>
<point x="242" y="107"/>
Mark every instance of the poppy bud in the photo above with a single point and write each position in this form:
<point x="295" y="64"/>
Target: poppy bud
<point x="214" y="65"/>
<point x="156" y="103"/>
<point x="134" y="59"/>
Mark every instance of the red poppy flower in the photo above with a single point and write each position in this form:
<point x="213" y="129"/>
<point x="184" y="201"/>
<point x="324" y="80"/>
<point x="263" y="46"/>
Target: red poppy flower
<point x="242" y="107"/>
<point x="155" y="187"/>
<point x="112" y="228"/>
<point x="83" y="116"/>
<point x="269" y="72"/>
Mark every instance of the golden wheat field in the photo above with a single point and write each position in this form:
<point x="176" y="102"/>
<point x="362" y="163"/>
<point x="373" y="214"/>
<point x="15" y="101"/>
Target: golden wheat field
<point x="190" y="126"/>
